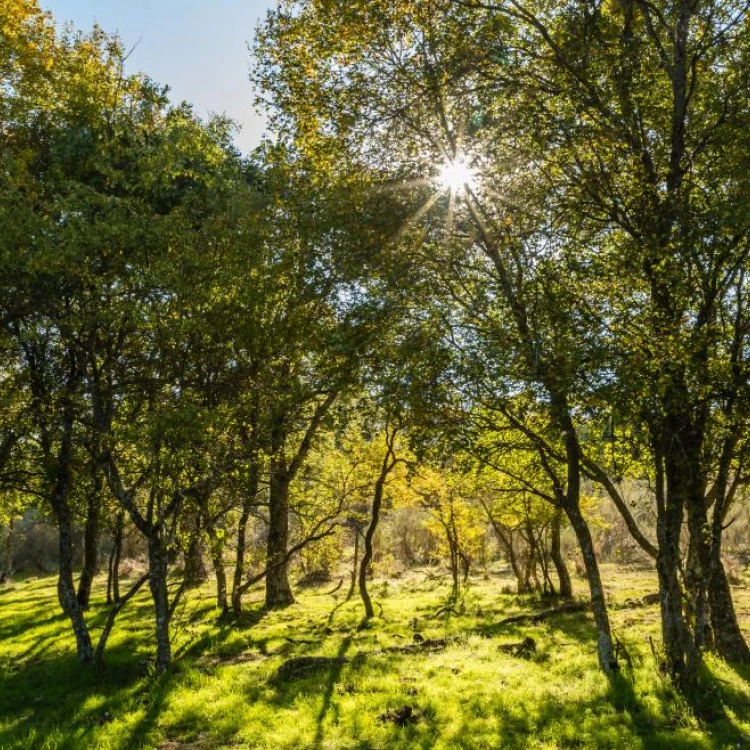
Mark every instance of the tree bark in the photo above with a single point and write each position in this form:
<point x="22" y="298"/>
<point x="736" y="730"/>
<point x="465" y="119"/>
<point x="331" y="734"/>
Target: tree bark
<point x="7" y="573"/>
<point x="563" y="576"/>
<point x="66" y="590"/>
<point x="729" y="641"/>
<point x="278" y="590"/>
<point x="60" y="502"/>
<point x="389" y="462"/>
<point x="90" y="543"/>
<point x="605" y="646"/>
<point x="355" y="564"/>
<point x="239" y="565"/>
<point x="196" y="572"/>
<point x="113" y="578"/>
<point x="682" y="657"/>
<point x="157" y="578"/>
<point x="220" y="573"/>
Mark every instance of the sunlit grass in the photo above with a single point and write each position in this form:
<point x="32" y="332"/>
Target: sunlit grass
<point x="223" y="691"/>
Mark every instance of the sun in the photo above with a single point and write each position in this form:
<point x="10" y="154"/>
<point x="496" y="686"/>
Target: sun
<point x="456" y="175"/>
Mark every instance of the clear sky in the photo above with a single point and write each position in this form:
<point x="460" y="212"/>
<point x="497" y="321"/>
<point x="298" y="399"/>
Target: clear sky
<point x="197" y="47"/>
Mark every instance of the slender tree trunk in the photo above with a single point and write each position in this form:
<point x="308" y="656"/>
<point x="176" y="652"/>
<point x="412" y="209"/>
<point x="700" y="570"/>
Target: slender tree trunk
<point x="605" y="646"/>
<point x="220" y="573"/>
<point x="544" y="559"/>
<point x="355" y="563"/>
<point x="7" y="573"/>
<point x="533" y="559"/>
<point x="239" y="565"/>
<point x="90" y="543"/>
<point x="278" y="590"/>
<point x="59" y="501"/>
<point x="196" y="572"/>
<point x="563" y="576"/>
<point x="66" y="590"/>
<point x="364" y="568"/>
<point x="157" y="578"/>
<point x="110" y="621"/>
<point x="515" y="564"/>
<point x="454" y="562"/>
<point x="113" y="579"/>
<point x="221" y="582"/>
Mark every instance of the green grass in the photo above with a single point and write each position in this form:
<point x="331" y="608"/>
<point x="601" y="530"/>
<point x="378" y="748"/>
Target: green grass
<point x="223" y="691"/>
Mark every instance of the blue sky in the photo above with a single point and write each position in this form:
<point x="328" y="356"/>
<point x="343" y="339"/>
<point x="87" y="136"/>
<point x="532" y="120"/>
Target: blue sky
<point x="197" y="47"/>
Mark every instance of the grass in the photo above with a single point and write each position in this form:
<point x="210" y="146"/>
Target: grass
<point x="223" y="692"/>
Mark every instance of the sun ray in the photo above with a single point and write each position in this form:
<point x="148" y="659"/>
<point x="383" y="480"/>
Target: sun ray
<point x="417" y="215"/>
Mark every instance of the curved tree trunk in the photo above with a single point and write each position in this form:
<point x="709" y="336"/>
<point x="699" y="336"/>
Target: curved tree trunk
<point x="605" y="646"/>
<point x="563" y="576"/>
<point x="364" y="567"/>
<point x="90" y="543"/>
<point x="389" y="462"/>
<point x="239" y="563"/>
<point x="113" y="578"/>
<point x="66" y="590"/>
<point x="729" y="642"/>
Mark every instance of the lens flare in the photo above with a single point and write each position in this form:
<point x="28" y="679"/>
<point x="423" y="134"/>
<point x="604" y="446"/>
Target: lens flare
<point x="456" y="176"/>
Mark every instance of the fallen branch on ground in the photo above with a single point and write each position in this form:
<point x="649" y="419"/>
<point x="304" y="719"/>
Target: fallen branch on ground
<point x="535" y="617"/>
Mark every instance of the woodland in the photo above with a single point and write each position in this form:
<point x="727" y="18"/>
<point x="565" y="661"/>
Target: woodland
<point x="426" y="424"/>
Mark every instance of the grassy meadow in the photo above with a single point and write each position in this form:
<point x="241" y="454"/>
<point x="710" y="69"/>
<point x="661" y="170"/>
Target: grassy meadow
<point x="224" y="690"/>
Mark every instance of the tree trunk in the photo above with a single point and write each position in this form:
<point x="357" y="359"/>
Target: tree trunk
<point x="278" y="590"/>
<point x="66" y="590"/>
<point x="157" y="578"/>
<point x="681" y="464"/>
<point x="220" y="573"/>
<point x="196" y="572"/>
<point x="239" y="564"/>
<point x="364" y="568"/>
<point x="729" y="641"/>
<point x="353" y="585"/>
<point x="522" y="584"/>
<point x="59" y="501"/>
<point x="697" y="575"/>
<point x="113" y="578"/>
<point x="605" y="647"/>
<point x="565" y="587"/>
<point x="90" y="543"/>
<point x="544" y="559"/>
<point x="7" y="573"/>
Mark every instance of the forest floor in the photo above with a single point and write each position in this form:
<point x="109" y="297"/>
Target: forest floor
<point x="224" y="690"/>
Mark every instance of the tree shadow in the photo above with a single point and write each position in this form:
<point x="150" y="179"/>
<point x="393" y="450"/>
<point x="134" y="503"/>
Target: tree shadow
<point x="334" y="675"/>
<point x="46" y="698"/>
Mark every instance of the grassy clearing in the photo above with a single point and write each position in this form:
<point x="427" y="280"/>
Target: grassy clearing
<point x="223" y="691"/>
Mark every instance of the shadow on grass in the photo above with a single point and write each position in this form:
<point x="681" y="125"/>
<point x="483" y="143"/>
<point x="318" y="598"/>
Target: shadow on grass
<point x="334" y="675"/>
<point x="47" y="698"/>
<point x="659" y="725"/>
